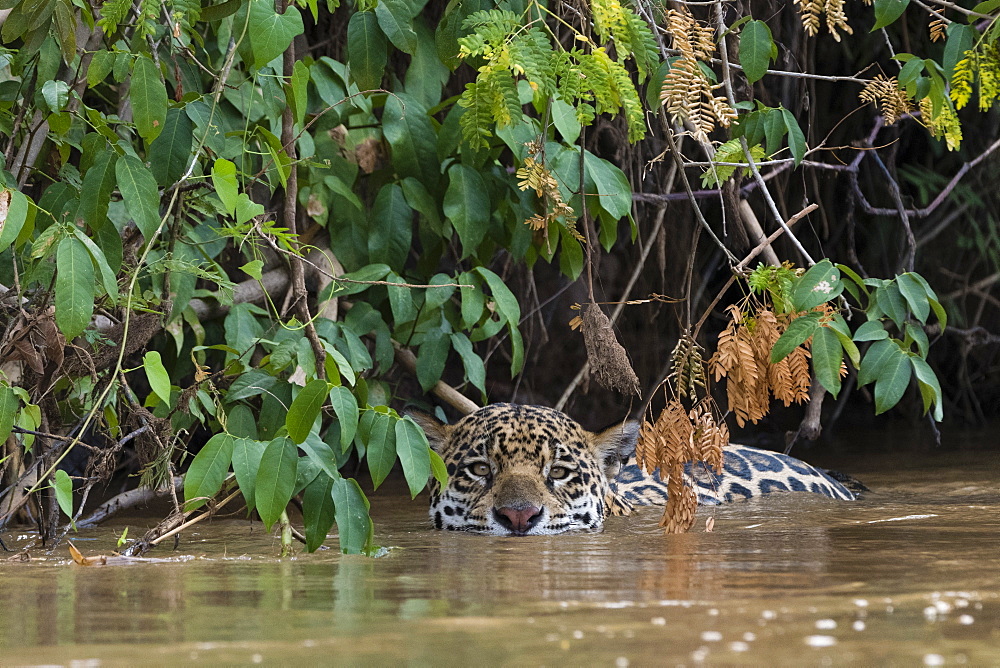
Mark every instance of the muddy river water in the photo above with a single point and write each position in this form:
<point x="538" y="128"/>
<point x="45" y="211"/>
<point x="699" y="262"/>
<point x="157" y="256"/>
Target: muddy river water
<point x="910" y="575"/>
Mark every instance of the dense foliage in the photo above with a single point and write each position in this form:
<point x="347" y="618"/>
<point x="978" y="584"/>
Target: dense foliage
<point x="223" y="224"/>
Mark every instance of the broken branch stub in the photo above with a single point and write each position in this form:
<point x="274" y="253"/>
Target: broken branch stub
<point x="608" y="359"/>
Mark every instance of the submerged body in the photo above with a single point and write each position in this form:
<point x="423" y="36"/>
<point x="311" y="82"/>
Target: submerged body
<point x="520" y="470"/>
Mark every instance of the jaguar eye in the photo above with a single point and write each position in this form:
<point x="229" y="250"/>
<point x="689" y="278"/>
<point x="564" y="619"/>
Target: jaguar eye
<point x="481" y="469"/>
<point x="558" y="472"/>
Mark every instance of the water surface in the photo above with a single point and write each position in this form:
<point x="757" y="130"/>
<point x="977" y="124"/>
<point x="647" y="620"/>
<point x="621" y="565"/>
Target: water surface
<point x="909" y="575"/>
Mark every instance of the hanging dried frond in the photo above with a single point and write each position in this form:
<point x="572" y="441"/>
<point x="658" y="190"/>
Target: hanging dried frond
<point x="535" y="175"/>
<point x="937" y="29"/>
<point x="678" y="438"/>
<point x="682" y="503"/>
<point x="608" y="360"/>
<point x="836" y="18"/>
<point x="687" y="93"/>
<point x="810" y="12"/>
<point x="694" y="40"/>
<point x="687" y="369"/>
<point x="888" y="96"/>
<point x="743" y="357"/>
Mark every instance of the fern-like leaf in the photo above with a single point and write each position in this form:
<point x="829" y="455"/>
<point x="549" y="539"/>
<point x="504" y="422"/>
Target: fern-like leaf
<point x="113" y="13"/>
<point x="477" y="122"/>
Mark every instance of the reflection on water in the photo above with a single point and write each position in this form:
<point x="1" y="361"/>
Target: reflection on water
<point x="908" y="575"/>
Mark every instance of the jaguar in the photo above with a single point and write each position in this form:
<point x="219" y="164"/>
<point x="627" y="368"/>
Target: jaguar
<point x="517" y="470"/>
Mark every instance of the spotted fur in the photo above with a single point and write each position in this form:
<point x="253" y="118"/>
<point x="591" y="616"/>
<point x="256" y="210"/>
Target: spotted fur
<point x="518" y="470"/>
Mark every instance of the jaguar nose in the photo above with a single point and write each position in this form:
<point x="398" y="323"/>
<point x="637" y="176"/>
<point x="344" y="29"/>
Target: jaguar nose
<point x="518" y="520"/>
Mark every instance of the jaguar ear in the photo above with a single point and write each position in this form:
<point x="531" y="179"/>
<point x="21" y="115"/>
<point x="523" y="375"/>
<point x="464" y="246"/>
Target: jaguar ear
<point x="436" y="431"/>
<point x="614" y="445"/>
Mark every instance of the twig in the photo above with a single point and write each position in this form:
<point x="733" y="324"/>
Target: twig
<point x="773" y="236"/>
<point x="199" y="518"/>
<point x="728" y="85"/>
<point x="911" y="242"/>
<point x="125" y="500"/>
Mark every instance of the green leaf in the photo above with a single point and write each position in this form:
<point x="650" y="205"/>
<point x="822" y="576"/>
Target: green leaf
<point x="390" y="236"/>
<point x="9" y="405"/>
<point x="246" y="208"/>
<point x="613" y="189"/>
<point x="756" y="46"/>
<point x="875" y="359"/>
<point x="431" y="358"/>
<point x="108" y="278"/>
<point x="55" y="94"/>
<point x="371" y="272"/>
<point x="890" y="301"/>
<point x="412" y="138"/>
<point x="961" y="38"/>
<point x="253" y="269"/>
<point x="855" y="278"/>
<point x="345" y="406"/>
<point x="148" y="96"/>
<point x="939" y="312"/>
<point x="475" y="369"/>
<point x="172" y="148"/>
<point x="438" y="468"/>
<point x="321" y="454"/>
<point x="413" y="451"/>
<point x="275" y="480"/>
<point x="893" y="377"/>
<point x="224" y="180"/>
<point x="318" y="512"/>
<point x="213" y="13"/>
<point x="796" y="140"/>
<point x="74" y="287"/>
<point x="467" y="206"/>
<point x="13" y="213"/>
<point x="100" y="67"/>
<point x="506" y="302"/>
<point x="250" y="384"/>
<point x="98" y="184"/>
<point x="63" y="486"/>
<point x="930" y="388"/>
<point x="473" y="300"/>
<point x="435" y="297"/>
<point x="351" y="511"/>
<point x="344" y="367"/>
<point x="305" y="409"/>
<point x="795" y="335"/>
<point x="843" y="333"/>
<point x="297" y="91"/>
<point x="381" y="444"/>
<point x="827" y="355"/>
<point x="818" y="285"/>
<point x="887" y="11"/>
<point x="156" y="374"/>
<point x="395" y="19"/>
<point x="138" y="189"/>
<point x="208" y="471"/>
<point x="916" y="334"/>
<point x="270" y="33"/>
<point x="366" y="50"/>
<point x="564" y="118"/>
<point x="247" y="453"/>
<point x="913" y="292"/>
<point x="872" y="330"/>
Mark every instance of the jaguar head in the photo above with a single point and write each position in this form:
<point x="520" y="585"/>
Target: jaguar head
<point x="518" y="470"/>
